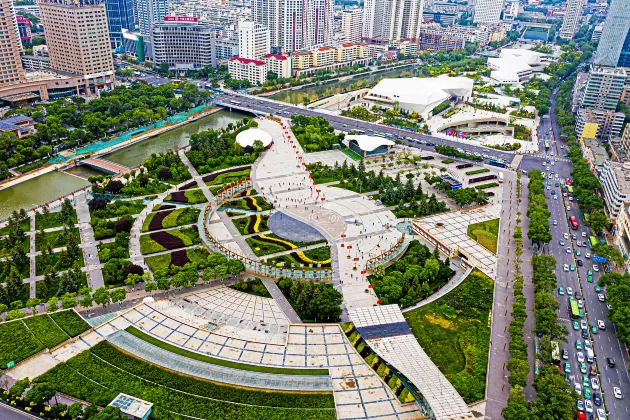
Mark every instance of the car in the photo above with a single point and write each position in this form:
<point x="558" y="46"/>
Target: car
<point x="597" y="399"/>
<point x="568" y="250"/>
<point x="587" y="345"/>
<point x="548" y="187"/>
<point x="553" y="192"/>
<point x="568" y="207"/>
<point x="578" y="295"/>
<point x="574" y="237"/>
<point x="567" y="367"/>
<point x="551" y="163"/>
<point x="583" y="324"/>
<point x="570" y="198"/>
<point x="555" y="197"/>
<point x="587" y="255"/>
<point x="588" y="405"/>
<point x="617" y="392"/>
<point x="583" y="370"/>
<point x="589" y="279"/>
<point x="594" y="383"/>
<point x="555" y="222"/>
<point x="601" y="297"/>
<point x="549" y="183"/>
<point x="569" y="291"/>
<point x="601" y="324"/>
<point x="584" y="332"/>
<point x="557" y="185"/>
<point x="587" y="393"/>
<point x="580" y="303"/>
<point x="592" y="371"/>
<point x="566" y="235"/>
<point x="580" y="263"/>
<point x="580" y="405"/>
<point x="578" y="344"/>
<point x="578" y="243"/>
<point x="597" y="289"/>
<point x="565" y="354"/>
<point x="610" y="362"/>
<point x="585" y="381"/>
<point x="576" y="325"/>
<point x="595" y="267"/>
<point x="561" y="291"/>
<point x="565" y="267"/>
<point x="583" y="234"/>
<point x="589" y="272"/>
<point x="378" y="203"/>
<point x="578" y="387"/>
<point x="609" y="306"/>
<point x="593" y="329"/>
<point x="431" y="143"/>
<point x="580" y="357"/>
<point x="601" y="414"/>
<point x="582" y="316"/>
<point x="578" y="252"/>
<point x="572" y="267"/>
<point x="561" y="242"/>
<point x="564" y="195"/>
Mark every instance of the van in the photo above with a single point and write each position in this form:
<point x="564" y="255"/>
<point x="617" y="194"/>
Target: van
<point x="589" y="355"/>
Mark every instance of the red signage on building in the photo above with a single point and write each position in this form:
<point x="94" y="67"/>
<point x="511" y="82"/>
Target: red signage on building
<point x="180" y="19"/>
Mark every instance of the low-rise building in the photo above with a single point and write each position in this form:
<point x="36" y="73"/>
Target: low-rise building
<point x="615" y="180"/>
<point x="329" y="58"/>
<point x="33" y="63"/>
<point x="514" y="66"/>
<point x="247" y="69"/>
<point x="20" y="125"/>
<point x="431" y="39"/>
<point x="595" y="154"/>
<point x="279" y="64"/>
<point x="609" y="122"/>
<point x="44" y="85"/>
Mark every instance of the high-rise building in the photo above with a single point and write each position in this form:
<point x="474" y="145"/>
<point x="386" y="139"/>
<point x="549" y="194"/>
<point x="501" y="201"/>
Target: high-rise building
<point x="78" y="40"/>
<point x="11" y="70"/>
<point x="253" y="40"/>
<point x="352" y="24"/>
<point x="614" y="45"/>
<point x="295" y="24"/>
<point x="148" y="13"/>
<point x="603" y="88"/>
<point x="120" y="16"/>
<point x="572" y="16"/>
<point x="488" y="11"/>
<point x="390" y="20"/>
<point x="183" y="44"/>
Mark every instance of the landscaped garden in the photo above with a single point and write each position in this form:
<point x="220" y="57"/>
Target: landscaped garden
<point x="249" y="203"/>
<point x="254" y="223"/>
<point x="454" y="331"/>
<point x="314" y="133"/>
<point x="110" y="371"/>
<point x="177" y="258"/>
<point x="313" y="302"/>
<point x="171" y="239"/>
<point x="170" y="218"/>
<point x="272" y="243"/>
<point x="485" y="234"/>
<point x="188" y="197"/>
<point x="317" y="256"/>
<point x="67" y="216"/>
<point x="414" y="276"/>
<point x="110" y="218"/>
<point x="228" y="176"/>
<point x="253" y="286"/>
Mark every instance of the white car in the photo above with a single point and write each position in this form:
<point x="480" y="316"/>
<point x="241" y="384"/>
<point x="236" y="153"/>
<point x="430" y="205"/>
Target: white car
<point x="594" y="383"/>
<point x="578" y="387"/>
<point x="561" y="242"/>
<point x="566" y="235"/>
<point x="601" y="414"/>
<point x="601" y="324"/>
<point x="583" y="325"/>
<point x="580" y="357"/>
<point x="570" y="198"/>
<point x="555" y="222"/>
<point x="583" y="234"/>
<point x="617" y="392"/>
<point x="568" y="250"/>
<point x="555" y="197"/>
<point x="552" y="163"/>
<point x="601" y="297"/>
<point x="548" y="187"/>
<point x="569" y="291"/>
<point x="587" y="345"/>
<point x="580" y="303"/>
<point x="568" y="207"/>
<point x="595" y="267"/>
<point x="565" y="267"/>
<point x="588" y="405"/>
<point x="587" y="255"/>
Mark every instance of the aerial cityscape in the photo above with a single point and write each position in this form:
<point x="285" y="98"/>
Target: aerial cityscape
<point x="314" y="209"/>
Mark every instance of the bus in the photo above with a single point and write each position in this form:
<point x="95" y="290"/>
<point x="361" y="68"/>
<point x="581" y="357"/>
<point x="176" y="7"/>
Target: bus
<point x="574" y="310"/>
<point x="592" y="240"/>
<point x="570" y="189"/>
<point x="500" y="177"/>
<point x="547" y="145"/>
<point x="355" y="131"/>
<point x="574" y="222"/>
<point x="556" y="356"/>
<point x="495" y="162"/>
<point x="569" y="183"/>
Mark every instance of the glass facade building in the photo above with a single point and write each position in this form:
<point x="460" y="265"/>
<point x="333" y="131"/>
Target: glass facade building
<point x="119" y="16"/>
<point x="614" y="46"/>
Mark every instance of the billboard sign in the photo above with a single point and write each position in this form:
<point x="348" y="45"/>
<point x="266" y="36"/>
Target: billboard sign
<point x="180" y="19"/>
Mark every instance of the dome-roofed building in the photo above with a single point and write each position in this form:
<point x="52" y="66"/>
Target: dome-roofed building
<point x="247" y="138"/>
<point x="365" y="145"/>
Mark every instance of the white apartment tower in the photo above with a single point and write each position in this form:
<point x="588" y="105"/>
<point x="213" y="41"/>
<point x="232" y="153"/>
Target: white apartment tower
<point x="488" y="11"/>
<point x="253" y="40"/>
<point x="295" y="24"/>
<point x="390" y="20"/>
<point x="571" y="19"/>
<point x="11" y="71"/>
<point x="352" y="24"/>
<point x="148" y="13"/>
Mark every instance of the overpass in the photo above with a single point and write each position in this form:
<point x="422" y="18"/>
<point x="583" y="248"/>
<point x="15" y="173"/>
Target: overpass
<point x="480" y="125"/>
<point x="105" y="165"/>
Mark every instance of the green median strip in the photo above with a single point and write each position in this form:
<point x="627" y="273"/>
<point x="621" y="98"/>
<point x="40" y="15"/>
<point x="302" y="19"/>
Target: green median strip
<point x="225" y="363"/>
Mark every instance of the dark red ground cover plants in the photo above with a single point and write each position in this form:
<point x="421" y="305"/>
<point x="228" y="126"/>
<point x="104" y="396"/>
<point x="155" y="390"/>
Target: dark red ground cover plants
<point x="166" y="240"/>
<point x="211" y="177"/>
<point x="179" y="258"/>
<point x="156" y="222"/>
<point x="179" y="197"/>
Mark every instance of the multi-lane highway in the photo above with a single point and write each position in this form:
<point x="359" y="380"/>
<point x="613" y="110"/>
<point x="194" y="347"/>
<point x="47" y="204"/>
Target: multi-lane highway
<point x="604" y="342"/>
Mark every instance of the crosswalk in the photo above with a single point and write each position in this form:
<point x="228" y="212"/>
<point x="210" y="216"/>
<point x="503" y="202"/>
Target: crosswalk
<point x="562" y="159"/>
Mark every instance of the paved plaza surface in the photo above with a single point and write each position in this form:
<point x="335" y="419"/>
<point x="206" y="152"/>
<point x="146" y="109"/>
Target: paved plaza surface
<point x="328" y="157"/>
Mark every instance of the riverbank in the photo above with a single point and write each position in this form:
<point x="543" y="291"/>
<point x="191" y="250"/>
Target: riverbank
<point x="145" y="136"/>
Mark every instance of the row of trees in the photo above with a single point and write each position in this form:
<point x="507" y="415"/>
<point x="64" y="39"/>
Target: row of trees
<point x="319" y="302"/>
<point x="314" y="133"/>
<point x="538" y="210"/>
<point x="618" y="296"/>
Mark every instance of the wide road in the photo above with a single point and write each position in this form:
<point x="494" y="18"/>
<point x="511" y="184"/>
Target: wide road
<point x="264" y="105"/>
<point x="605" y="343"/>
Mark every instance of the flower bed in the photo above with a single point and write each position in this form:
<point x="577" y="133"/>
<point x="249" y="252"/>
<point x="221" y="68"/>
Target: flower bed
<point x="70" y="322"/>
<point x="315" y="256"/>
<point x="164" y="207"/>
<point x="488" y="185"/>
<point x="190" y="197"/>
<point x="172" y="239"/>
<point x="170" y="218"/>
<point x="255" y="223"/>
<point x="178" y="258"/>
<point x="188" y="185"/>
<point x="228" y="177"/>
<point x="212" y="177"/>
<point x="247" y="193"/>
<point x="155" y="220"/>
<point x="249" y="203"/>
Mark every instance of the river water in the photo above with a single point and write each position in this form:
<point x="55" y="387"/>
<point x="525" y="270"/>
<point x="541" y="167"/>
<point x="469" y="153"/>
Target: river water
<point x="55" y="184"/>
<point x="315" y="93"/>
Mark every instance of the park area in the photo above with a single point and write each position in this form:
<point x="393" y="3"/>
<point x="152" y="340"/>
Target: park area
<point x="485" y="234"/>
<point x="455" y="333"/>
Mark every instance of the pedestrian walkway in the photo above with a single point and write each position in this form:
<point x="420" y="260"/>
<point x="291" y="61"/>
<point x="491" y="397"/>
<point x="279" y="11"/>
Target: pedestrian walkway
<point x="32" y="290"/>
<point x="282" y="301"/>
<point x="90" y="251"/>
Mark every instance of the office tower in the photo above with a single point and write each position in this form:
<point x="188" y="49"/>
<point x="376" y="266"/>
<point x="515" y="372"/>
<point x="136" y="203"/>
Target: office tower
<point x="352" y="24"/>
<point x="390" y="20"/>
<point x="183" y="44"/>
<point x="603" y="88"/>
<point x="11" y="70"/>
<point x="120" y="16"/>
<point x="571" y="19"/>
<point x="148" y="13"/>
<point x="295" y="24"/>
<point x="253" y="40"/>
<point x="78" y="40"/>
<point x="488" y="11"/>
<point x="614" y="45"/>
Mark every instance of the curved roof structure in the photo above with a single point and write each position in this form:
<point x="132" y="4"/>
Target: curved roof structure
<point x="368" y="143"/>
<point x="248" y="137"/>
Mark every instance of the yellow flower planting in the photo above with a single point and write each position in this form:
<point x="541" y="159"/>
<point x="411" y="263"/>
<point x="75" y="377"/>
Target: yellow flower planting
<point x="309" y="261"/>
<point x="256" y="204"/>
<point x="257" y="223"/>
<point x="289" y="244"/>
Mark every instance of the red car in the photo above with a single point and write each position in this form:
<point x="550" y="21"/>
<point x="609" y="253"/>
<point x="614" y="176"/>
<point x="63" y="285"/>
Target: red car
<point x="593" y="371"/>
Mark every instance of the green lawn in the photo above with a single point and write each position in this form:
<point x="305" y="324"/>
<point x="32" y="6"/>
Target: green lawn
<point x="454" y="331"/>
<point x="228" y="177"/>
<point x="25" y="224"/>
<point x="51" y="220"/>
<point x="40" y="267"/>
<point x="351" y="154"/>
<point x="486" y="234"/>
<point x="5" y="251"/>
<point x="55" y="238"/>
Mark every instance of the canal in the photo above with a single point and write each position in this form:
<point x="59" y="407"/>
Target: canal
<point x="56" y="184"/>
<point x="315" y="93"/>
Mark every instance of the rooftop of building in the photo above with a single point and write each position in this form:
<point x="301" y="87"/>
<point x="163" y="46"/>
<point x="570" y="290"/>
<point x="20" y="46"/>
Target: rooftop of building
<point x="276" y="56"/>
<point x="622" y="175"/>
<point x="424" y="91"/>
<point x="11" y="123"/>
<point x="248" y="137"/>
<point x="132" y="406"/>
<point x="369" y="143"/>
<point x="608" y="70"/>
<point x="599" y="152"/>
<point x="248" y="61"/>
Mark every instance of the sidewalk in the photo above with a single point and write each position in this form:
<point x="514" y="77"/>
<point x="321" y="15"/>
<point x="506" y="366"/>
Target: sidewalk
<point x="90" y="251"/>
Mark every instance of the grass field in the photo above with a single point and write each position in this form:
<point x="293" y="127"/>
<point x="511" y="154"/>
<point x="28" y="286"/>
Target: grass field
<point x="455" y="333"/>
<point x="486" y="234"/>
